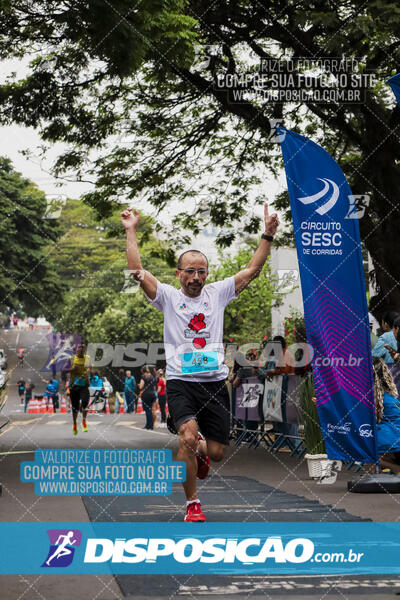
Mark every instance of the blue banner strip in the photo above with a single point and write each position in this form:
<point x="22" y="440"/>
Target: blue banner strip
<point x="325" y="220"/>
<point x="217" y="548"/>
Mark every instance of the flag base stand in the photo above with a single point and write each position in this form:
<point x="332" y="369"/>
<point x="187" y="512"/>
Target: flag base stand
<point x="379" y="483"/>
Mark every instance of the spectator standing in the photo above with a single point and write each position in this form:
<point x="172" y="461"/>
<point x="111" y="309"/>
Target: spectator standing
<point x="387" y="412"/>
<point x="285" y="363"/>
<point x="21" y="389"/>
<point x="56" y="397"/>
<point x="394" y="367"/>
<point x="129" y="389"/>
<point x="147" y="392"/>
<point x="96" y="381"/>
<point x="28" y="394"/>
<point x="120" y="390"/>
<point x="162" y="396"/>
<point x="50" y="392"/>
<point x="387" y="338"/>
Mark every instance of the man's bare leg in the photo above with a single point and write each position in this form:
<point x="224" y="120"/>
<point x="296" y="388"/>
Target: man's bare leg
<point x="215" y="450"/>
<point x="188" y="443"/>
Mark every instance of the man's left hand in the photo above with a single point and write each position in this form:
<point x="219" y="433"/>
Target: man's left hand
<point x="271" y="222"/>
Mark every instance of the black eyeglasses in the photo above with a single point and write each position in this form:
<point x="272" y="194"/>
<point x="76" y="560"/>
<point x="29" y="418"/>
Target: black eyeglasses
<point x="190" y="271"/>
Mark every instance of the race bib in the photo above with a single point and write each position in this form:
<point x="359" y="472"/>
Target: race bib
<point x="79" y="381"/>
<point x="199" y="362"/>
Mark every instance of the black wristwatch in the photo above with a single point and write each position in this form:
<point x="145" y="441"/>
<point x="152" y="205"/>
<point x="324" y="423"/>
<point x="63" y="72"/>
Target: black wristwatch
<point x="269" y="238"/>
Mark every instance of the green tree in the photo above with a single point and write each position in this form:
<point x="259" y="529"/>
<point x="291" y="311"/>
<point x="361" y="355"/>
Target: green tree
<point x="91" y="260"/>
<point x="249" y="317"/>
<point x="113" y="71"/>
<point x="85" y="246"/>
<point x="129" y="318"/>
<point x="28" y="277"/>
<point x="91" y="246"/>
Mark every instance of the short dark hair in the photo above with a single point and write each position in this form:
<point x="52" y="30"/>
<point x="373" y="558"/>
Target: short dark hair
<point x="192" y="252"/>
<point x="390" y="317"/>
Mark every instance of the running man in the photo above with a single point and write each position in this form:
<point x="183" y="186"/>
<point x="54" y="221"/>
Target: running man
<point x="21" y="354"/>
<point x="79" y="386"/>
<point x="62" y="549"/>
<point x="193" y="330"/>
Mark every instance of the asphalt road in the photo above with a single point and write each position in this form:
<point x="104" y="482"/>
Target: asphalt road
<point x="24" y="433"/>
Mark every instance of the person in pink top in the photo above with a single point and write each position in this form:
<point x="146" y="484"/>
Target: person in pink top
<point x="162" y="396"/>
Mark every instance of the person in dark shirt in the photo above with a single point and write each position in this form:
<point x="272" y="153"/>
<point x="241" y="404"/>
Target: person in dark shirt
<point x="21" y="389"/>
<point x="28" y="394"/>
<point x="147" y="387"/>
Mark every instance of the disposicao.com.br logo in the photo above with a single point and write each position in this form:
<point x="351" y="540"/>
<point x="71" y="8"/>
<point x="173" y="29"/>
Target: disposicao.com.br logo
<point x="211" y="550"/>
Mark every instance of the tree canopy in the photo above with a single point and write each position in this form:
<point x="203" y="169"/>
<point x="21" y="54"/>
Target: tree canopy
<point x="91" y="262"/>
<point x="133" y="91"/>
<point x="248" y="318"/>
<point x="28" y="277"/>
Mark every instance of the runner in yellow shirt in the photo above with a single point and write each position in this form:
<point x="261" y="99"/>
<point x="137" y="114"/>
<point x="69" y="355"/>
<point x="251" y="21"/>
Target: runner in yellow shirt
<point x="79" y="386"/>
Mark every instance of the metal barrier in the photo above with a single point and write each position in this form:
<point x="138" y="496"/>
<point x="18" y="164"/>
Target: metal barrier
<point x="268" y="413"/>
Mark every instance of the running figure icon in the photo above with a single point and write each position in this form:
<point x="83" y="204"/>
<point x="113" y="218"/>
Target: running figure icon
<point x="62" y="549"/>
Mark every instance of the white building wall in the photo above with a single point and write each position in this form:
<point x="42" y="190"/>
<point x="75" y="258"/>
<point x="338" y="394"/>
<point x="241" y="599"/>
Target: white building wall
<point x="286" y="267"/>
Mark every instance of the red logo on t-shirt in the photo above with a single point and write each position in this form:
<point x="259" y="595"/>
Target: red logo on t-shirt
<point x="197" y="324"/>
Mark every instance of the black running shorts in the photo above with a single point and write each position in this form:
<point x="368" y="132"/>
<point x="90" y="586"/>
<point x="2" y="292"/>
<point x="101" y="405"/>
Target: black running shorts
<point x="79" y="398"/>
<point x="208" y="402"/>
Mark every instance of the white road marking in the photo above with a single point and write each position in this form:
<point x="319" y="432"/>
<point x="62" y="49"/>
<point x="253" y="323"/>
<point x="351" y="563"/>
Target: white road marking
<point x="18" y="452"/>
<point x="146" y="430"/>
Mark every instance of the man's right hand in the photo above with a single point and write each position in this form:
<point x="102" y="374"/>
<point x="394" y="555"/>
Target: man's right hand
<point x="130" y="218"/>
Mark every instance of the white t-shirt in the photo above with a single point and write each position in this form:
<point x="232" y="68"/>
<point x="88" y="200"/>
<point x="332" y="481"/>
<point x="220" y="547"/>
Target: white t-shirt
<point x="193" y="329"/>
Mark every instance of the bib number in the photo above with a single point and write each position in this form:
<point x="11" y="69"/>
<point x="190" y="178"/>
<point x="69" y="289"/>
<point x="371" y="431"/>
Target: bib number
<point x="199" y="362"/>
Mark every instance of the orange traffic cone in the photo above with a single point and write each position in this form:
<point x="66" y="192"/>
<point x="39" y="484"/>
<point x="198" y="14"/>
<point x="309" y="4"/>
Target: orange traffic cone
<point x="122" y="407"/>
<point x="31" y="406"/>
<point x="43" y="405"/>
<point x="139" y="408"/>
<point x="50" y="406"/>
<point x="63" y="408"/>
<point x="107" y="407"/>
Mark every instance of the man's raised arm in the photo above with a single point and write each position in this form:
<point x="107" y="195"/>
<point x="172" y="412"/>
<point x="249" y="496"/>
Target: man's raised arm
<point x="253" y="269"/>
<point x="148" y="282"/>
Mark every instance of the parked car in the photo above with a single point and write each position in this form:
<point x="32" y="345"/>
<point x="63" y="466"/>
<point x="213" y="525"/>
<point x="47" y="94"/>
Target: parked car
<point x="3" y="359"/>
<point x="3" y="378"/>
